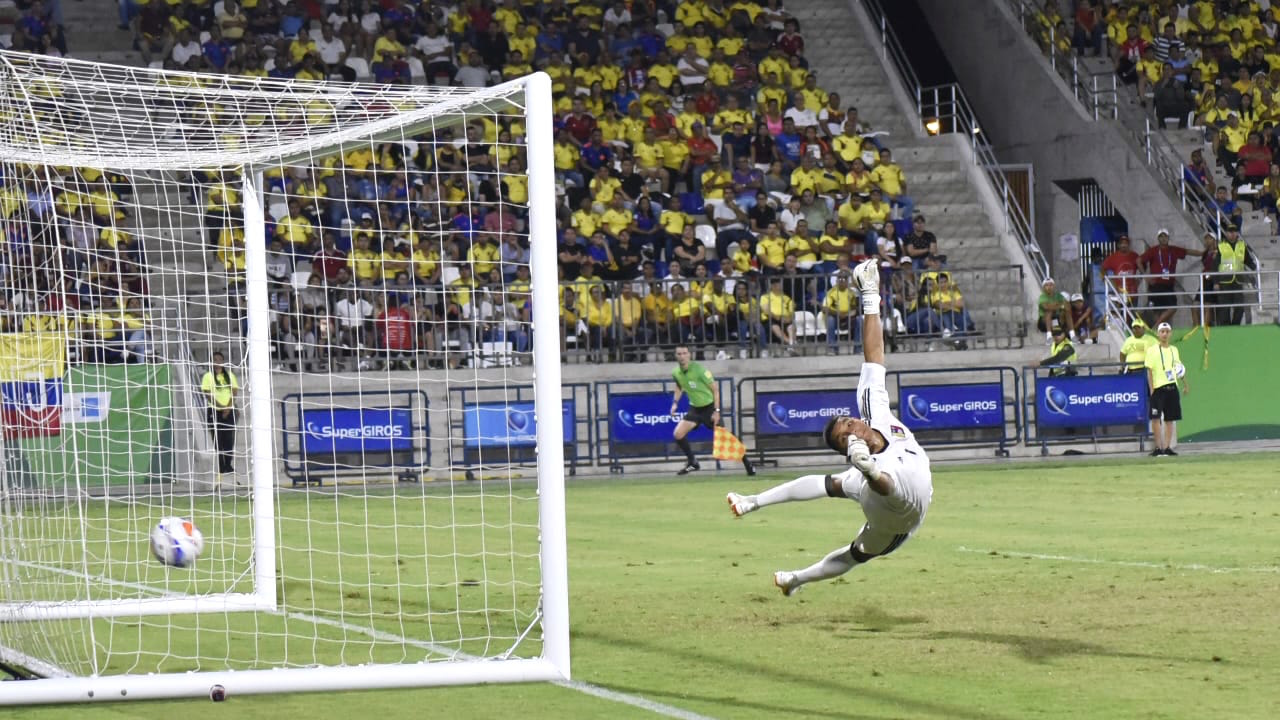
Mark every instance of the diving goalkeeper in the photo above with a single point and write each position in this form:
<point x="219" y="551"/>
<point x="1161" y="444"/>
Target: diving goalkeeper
<point x="890" y="477"/>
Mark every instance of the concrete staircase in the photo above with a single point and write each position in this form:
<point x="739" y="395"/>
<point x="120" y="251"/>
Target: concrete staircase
<point x="936" y="168"/>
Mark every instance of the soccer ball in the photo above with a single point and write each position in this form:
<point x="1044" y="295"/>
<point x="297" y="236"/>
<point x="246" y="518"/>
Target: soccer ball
<point x="1179" y="370"/>
<point x="176" y="542"/>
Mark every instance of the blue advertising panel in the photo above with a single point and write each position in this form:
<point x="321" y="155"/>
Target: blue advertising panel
<point x="801" y="412"/>
<point x="372" y="430"/>
<point x="645" y="418"/>
<point x="502" y="424"/>
<point x="1091" y="400"/>
<point x="952" y="407"/>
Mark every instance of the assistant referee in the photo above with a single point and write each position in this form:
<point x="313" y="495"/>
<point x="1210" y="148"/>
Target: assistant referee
<point x="704" y="405"/>
<point x="1164" y="370"/>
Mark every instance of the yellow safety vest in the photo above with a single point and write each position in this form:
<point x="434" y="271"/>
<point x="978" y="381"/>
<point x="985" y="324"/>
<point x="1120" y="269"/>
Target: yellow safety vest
<point x="1232" y="258"/>
<point x="1071" y="359"/>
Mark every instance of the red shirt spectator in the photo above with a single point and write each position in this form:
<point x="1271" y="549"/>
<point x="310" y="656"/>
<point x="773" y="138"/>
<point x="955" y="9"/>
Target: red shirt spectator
<point x="661" y="121"/>
<point x="580" y="125"/>
<point x="707" y="103"/>
<point x="328" y="262"/>
<point x="1121" y="265"/>
<point x="790" y="41"/>
<point x="395" y="326"/>
<point x="701" y="147"/>
<point x="1162" y="260"/>
<point x="1256" y="158"/>
<point x="1133" y="48"/>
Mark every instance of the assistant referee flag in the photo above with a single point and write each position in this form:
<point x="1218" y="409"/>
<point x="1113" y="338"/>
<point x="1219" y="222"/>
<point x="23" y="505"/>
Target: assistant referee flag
<point x="727" y="446"/>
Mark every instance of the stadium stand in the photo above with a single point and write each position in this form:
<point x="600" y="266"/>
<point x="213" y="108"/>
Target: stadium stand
<point x="1197" y="83"/>
<point x="701" y="149"/>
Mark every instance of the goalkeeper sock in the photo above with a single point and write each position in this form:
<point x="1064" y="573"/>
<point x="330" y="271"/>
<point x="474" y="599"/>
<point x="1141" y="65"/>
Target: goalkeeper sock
<point x="809" y="487"/>
<point x="684" y="445"/>
<point x="871" y="303"/>
<point x="837" y="563"/>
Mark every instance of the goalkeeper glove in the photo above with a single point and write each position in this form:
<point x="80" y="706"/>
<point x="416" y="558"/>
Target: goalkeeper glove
<point x="860" y="456"/>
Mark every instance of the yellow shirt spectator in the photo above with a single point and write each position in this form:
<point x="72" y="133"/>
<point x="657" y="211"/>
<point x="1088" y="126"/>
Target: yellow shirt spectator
<point x="803" y="249"/>
<point x="482" y="257"/>
<point x="615" y="220"/>
<point x="673" y="221"/>
<point x="294" y="230"/>
<point x="777" y="306"/>
<point x="365" y="264"/>
<point x="674" y="153"/>
<point x="772" y="251"/>
<point x="648" y="155"/>
<point x="603" y="189"/>
<point x="714" y="183"/>
<point x="839" y="301"/>
<point x="566" y="156"/>
<point x="585" y="222"/>
<point x="889" y="178"/>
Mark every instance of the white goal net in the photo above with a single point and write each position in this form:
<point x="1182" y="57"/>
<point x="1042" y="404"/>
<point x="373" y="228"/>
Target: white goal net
<point x="300" y="315"/>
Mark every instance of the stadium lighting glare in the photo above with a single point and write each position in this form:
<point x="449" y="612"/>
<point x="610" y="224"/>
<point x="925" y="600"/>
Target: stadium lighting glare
<point x="933" y="126"/>
<point x="977" y="130"/>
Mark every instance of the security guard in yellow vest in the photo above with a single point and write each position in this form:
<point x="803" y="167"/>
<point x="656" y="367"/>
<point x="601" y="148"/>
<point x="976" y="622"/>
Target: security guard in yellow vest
<point x="1134" y="349"/>
<point x="1062" y="359"/>
<point x="1233" y="255"/>
<point x="221" y="385"/>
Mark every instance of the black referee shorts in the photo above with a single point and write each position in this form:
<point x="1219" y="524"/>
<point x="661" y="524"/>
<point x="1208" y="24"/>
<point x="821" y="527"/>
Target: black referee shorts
<point x="1166" y="404"/>
<point x="701" y="415"/>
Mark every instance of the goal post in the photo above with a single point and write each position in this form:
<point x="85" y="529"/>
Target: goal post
<point x="361" y="258"/>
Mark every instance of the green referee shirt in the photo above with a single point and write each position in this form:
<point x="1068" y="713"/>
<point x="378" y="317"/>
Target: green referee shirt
<point x="696" y="383"/>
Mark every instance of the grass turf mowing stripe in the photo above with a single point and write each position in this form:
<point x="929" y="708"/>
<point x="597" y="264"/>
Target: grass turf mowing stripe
<point x="1123" y="563"/>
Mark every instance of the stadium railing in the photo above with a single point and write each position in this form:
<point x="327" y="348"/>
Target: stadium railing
<point x="1098" y="92"/>
<point x="1200" y="294"/>
<point x="1095" y="402"/>
<point x="1002" y="324"/>
<point x="947" y="106"/>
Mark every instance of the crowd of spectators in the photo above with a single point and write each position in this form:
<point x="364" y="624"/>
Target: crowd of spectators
<point x="69" y="262"/>
<point x="710" y="191"/>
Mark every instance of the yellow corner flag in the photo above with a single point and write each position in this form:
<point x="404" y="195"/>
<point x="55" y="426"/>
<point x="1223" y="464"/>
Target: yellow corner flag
<point x="727" y="446"/>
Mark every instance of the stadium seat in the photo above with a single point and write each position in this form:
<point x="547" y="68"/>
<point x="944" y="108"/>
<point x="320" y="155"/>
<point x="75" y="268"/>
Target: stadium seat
<point x="706" y="234"/>
<point x="807" y="325"/>
<point x="493" y="354"/>
<point x="416" y="71"/>
<point x="361" y="68"/>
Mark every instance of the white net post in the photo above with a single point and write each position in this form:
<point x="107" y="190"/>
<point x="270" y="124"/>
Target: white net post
<point x="395" y="571"/>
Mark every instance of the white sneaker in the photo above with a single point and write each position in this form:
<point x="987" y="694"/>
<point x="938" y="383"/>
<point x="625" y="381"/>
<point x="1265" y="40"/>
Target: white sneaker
<point x="786" y="582"/>
<point x="722" y="355"/>
<point x="866" y="277"/>
<point x="764" y="353"/>
<point x="740" y="505"/>
<point x="742" y="353"/>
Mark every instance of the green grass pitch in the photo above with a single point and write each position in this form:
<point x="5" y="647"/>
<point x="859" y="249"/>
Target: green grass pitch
<point x="1117" y="588"/>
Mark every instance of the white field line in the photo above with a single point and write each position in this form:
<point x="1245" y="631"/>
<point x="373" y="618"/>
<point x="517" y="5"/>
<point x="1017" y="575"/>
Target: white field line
<point x="1125" y="563"/>
<point x="637" y="701"/>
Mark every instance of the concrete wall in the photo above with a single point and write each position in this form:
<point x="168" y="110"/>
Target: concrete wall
<point x="1029" y="115"/>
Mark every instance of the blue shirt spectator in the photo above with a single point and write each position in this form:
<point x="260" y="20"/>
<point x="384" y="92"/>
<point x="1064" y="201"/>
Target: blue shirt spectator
<point x="291" y="21"/>
<point x="788" y="143"/>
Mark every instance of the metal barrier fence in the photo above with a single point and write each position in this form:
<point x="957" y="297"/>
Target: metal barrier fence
<point x="785" y="414"/>
<point x="329" y="434"/>
<point x="946" y="104"/>
<point x="636" y="423"/>
<point x="643" y="321"/>
<point x="1087" y="403"/>
<point x="498" y="427"/>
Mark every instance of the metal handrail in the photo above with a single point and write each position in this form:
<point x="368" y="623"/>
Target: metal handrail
<point x="1120" y="312"/>
<point x="953" y="114"/>
<point x="1155" y="147"/>
<point x="1098" y="92"/>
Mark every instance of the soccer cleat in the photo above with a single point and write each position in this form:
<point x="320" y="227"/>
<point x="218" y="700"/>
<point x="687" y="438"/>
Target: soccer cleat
<point x="748" y="466"/>
<point x="740" y="505"/>
<point x="1170" y="452"/>
<point x="866" y="277"/>
<point x="691" y="467"/>
<point x="786" y="582"/>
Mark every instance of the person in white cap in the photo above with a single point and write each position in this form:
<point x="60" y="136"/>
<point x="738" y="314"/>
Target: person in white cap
<point x="1164" y="373"/>
<point x="1053" y="310"/>
<point x="1083" y="320"/>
